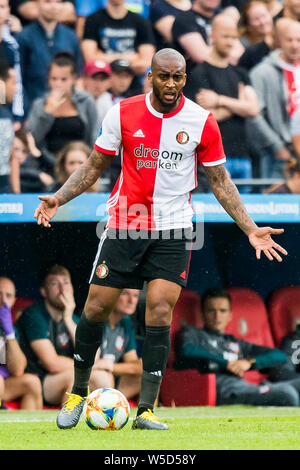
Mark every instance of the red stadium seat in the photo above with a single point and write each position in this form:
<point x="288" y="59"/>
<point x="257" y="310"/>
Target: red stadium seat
<point x="20" y="305"/>
<point x="250" y="323"/>
<point x="284" y="311"/>
<point x="186" y="387"/>
<point x="187" y="311"/>
<point x="12" y="405"/>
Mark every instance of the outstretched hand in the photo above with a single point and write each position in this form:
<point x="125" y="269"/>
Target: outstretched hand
<point x="46" y="210"/>
<point x="261" y="241"/>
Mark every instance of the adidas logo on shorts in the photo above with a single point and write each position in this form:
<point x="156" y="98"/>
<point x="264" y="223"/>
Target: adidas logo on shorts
<point x="156" y="372"/>
<point x="78" y="358"/>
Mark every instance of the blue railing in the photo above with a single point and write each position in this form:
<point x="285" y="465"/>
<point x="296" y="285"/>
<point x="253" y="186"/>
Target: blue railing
<point x="16" y="208"/>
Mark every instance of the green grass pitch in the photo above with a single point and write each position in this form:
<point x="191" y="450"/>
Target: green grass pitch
<point x="192" y="428"/>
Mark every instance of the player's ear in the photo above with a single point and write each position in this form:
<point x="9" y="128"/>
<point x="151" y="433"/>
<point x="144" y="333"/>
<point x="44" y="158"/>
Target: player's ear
<point x="150" y="76"/>
<point x="43" y="292"/>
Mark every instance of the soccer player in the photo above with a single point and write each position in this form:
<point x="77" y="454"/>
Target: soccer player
<point x="161" y="135"/>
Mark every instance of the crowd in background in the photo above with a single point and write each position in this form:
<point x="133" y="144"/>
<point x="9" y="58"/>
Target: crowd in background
<point x="37" y="346"/>
<point x="64" y="64"/>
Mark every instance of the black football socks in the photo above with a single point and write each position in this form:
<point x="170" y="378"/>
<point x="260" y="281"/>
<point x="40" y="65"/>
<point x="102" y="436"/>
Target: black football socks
<point x="155" y="355"/>
<point x="87" y="341"/>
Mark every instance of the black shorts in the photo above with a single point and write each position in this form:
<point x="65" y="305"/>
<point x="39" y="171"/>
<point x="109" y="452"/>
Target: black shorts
<point x="124" y="262"/>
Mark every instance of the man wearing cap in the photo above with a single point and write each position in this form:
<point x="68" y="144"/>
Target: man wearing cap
<point x="123" y="84"/>
<point x="114" y="32"/>
<point x="97" y="81"/>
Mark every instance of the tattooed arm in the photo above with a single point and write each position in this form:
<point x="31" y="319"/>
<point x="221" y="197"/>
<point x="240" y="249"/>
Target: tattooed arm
<point x="79" y="181"/>
<point x="228" y="196"/>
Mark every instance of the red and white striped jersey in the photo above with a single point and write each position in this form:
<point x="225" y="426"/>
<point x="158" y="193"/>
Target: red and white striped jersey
<point x="159" y="161"/>
<point x="292" y="79"/>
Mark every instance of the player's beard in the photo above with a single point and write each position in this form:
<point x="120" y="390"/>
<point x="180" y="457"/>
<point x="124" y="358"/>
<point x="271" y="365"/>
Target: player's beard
<point x="168" y="106"/>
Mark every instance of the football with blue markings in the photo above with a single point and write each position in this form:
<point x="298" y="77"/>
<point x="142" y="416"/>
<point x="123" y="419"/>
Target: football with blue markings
<point x="106" y="408"/>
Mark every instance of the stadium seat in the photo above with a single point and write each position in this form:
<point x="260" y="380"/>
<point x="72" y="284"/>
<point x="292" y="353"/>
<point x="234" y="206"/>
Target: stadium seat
<point x="186" y="387"/>
<point x="12" y="405"/>
<point x="187" y="311"/>
<point x="284" y="311"/>
<point x="250" y="322"/>
<point x="21" y="303"/>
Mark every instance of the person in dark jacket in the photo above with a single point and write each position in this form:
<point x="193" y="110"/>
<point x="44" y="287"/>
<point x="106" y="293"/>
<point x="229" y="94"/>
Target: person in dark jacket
<point x="7" y="92"/>
<point x="212" y="350"/>
<point x="39" y="42"/>
<point x="290" y="345"/>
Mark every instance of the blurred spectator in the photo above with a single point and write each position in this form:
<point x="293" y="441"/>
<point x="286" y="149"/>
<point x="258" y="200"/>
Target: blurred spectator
<point x="256" y="23"/>
<point x="13" y="22"/>
<point x="122" y="76"/>
<point x="121" y="79"/>
<point x="276" y="85"/>
<point x="14" y="383"/>
<point x="237" y="49"/>
<point x="28" y="10"/>
<point x="65" y="113"/>
<point x="290" y="346"/>
<point x="290" y="9"/>
<point x="225" y="90"/>
<point x="97" y="81"/>
<point x="162" y="17"/>
<point x="274" y="6"/>
<point x="39" y="43"/>
<point x="295" y="127"/>
<point x="10" y="55"/>
<point x="69" y="159"/>
<point x="27" y="175"/>
<point x="86" y="8"/>
<point x="47" y="333"/>
<point x="119" y="366"/>
<point x="7" y="90"/>
<point x="292" y="183"/>
<point x="264" y="42"/>
<point x="212" y="350"/>
<point x="114" y="32"/>
<point x="191" y="31"/>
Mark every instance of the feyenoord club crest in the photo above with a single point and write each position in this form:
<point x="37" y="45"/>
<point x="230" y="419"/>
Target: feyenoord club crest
<point x="182" y="137"/>
<point x="102" y="270"/>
